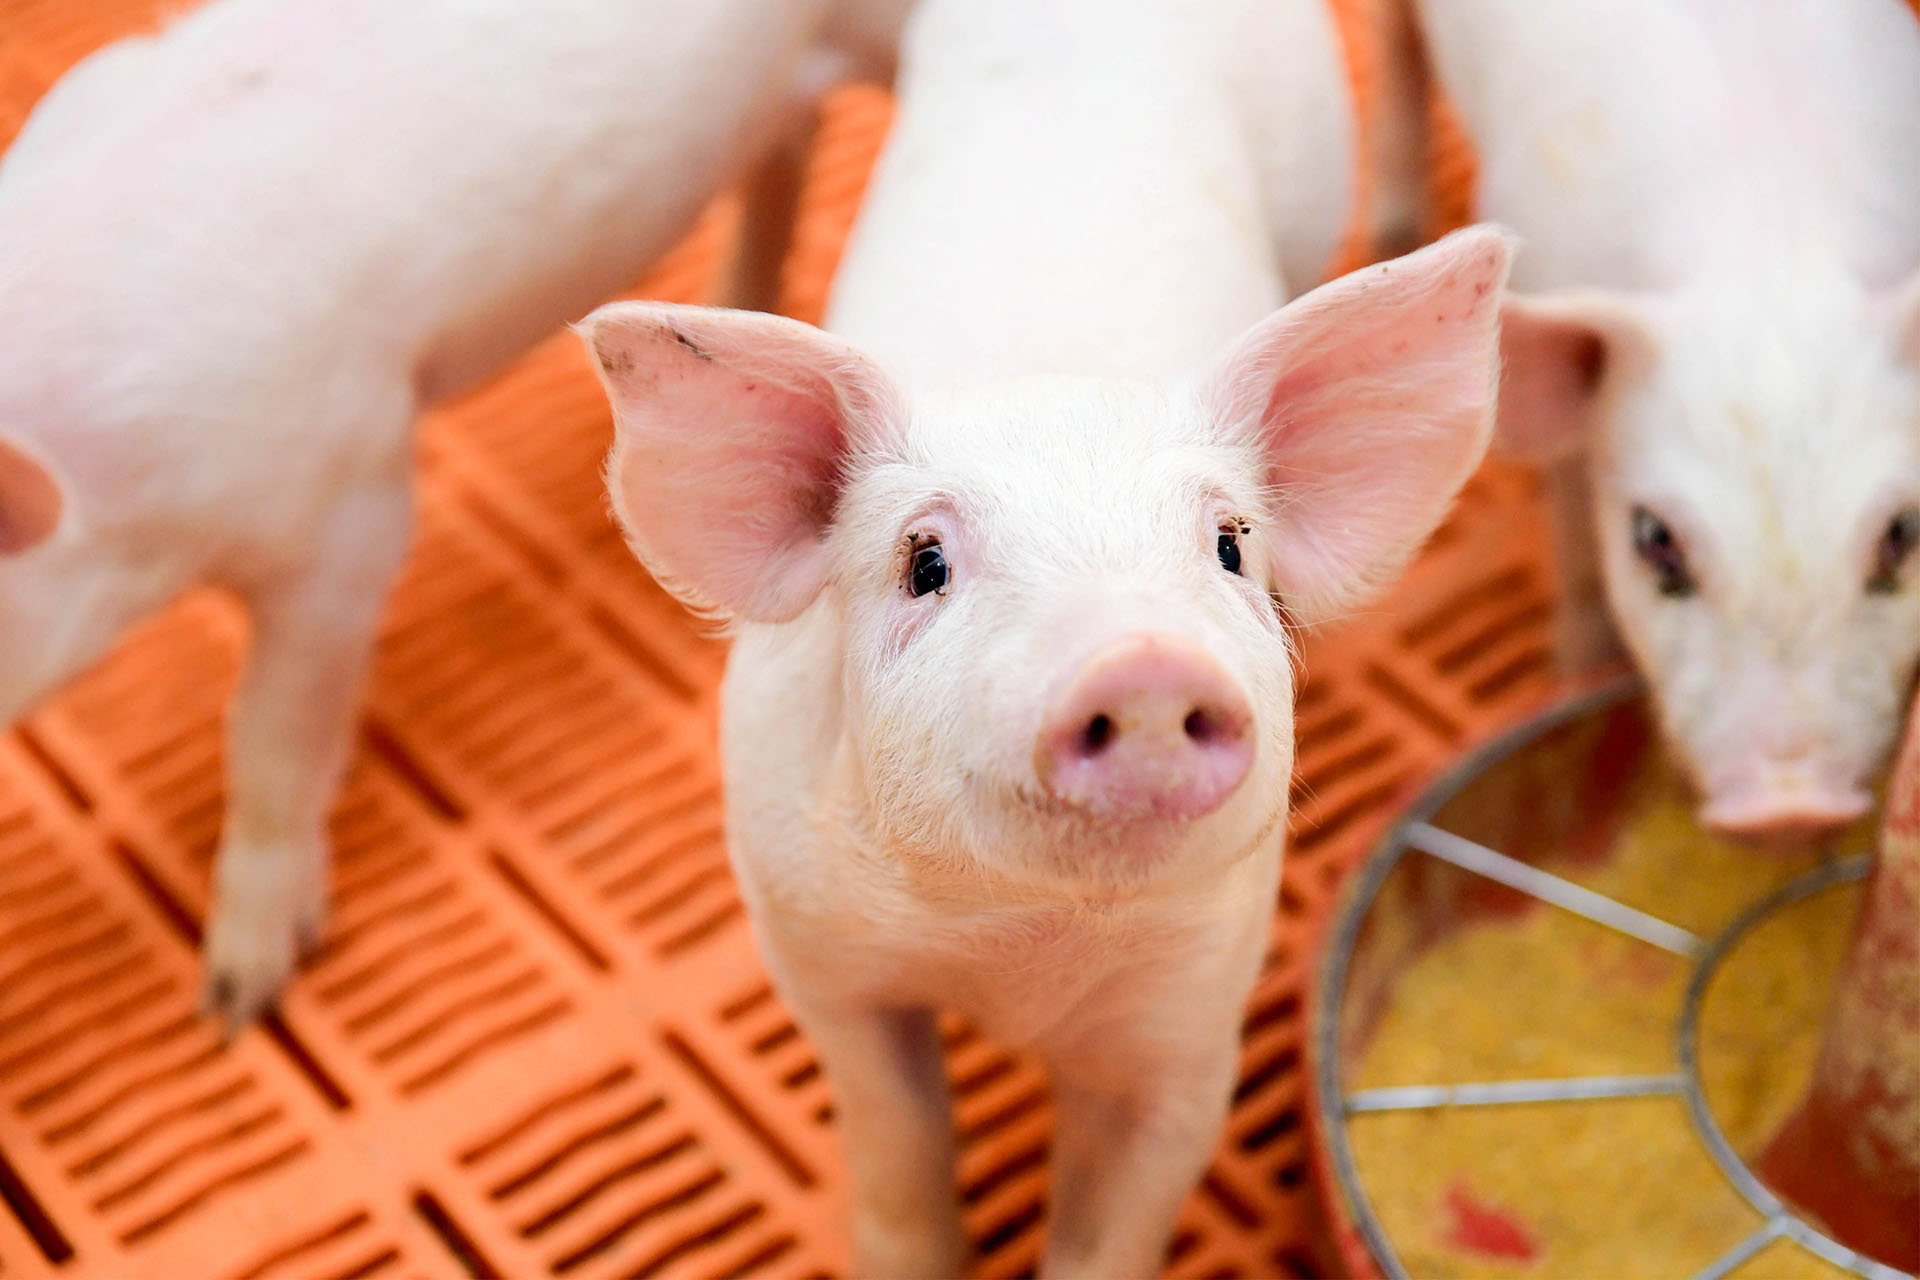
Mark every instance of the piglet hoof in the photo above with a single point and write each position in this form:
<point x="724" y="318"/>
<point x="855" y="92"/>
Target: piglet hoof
<point x="269" y="910"/>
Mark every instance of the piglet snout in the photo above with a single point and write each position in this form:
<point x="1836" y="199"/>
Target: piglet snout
<point x="1151" y="727"/>
<point x="1783" y="804"/>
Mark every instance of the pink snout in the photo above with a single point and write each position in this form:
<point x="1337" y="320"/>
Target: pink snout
<point x="1150" y="728"/>
<point x="1783" y="804"/>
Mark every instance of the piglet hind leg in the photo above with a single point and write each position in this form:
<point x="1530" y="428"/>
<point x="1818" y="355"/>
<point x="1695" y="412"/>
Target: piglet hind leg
<point x="1128" y="1147"/>
<point x="771" y="208"/>
<point x="289" y="734"/>
<point x="894" y="1112"/>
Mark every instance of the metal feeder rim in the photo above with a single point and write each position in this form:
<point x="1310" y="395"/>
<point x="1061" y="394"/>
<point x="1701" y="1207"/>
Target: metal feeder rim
<point x="1329" y="1102"/>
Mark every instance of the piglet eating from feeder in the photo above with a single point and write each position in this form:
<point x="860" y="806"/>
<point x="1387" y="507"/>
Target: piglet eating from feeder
<point x="1716" y="347"/>
<point x="1013" y="559"/>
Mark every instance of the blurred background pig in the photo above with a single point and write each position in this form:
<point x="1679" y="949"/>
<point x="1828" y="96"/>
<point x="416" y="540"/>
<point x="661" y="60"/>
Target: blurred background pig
<point x="1717" y="351"/>
<point x="237" y="258"/>
<point x="1013" y="557"/>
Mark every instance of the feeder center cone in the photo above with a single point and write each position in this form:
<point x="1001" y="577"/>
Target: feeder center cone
<point x="1851" y="1153"/>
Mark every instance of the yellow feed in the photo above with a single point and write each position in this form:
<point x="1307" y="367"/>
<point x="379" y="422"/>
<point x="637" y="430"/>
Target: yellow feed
<point x="1616" y="1188"/>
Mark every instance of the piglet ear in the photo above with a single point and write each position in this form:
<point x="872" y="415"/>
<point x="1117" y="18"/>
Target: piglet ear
<point x="1562" y="352"/>
<point x="31" y="499"/>
<point x="1371" y="399"/>
<point x="732" y="432"/>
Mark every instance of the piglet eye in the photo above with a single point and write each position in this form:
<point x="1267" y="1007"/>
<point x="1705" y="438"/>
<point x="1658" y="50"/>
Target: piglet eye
<point x="1228" y="547"/>
<point x="927" y="571"/>
<point x="1893" y="551"/>
<point x="1654" y="542"/>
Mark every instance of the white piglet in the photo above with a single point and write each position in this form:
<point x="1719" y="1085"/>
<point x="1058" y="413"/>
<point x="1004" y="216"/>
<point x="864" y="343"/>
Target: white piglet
<point x="1717" y="347"/>
<point x="1013" y="558"/>
<point x="237" y="258"/>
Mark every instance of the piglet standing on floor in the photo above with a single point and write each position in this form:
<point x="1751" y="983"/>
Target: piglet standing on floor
<point x="237" y="258"/>
<point x="1717" y="350"/>
<point x="1013" y="555"/>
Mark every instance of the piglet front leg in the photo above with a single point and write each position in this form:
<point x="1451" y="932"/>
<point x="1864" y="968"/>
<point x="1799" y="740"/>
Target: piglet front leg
<point x="1129" y="1144"/>
<point x="895" y="1116"/>
<point x="289" y="736"/>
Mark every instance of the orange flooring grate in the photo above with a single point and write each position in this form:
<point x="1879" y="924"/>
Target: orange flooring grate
<point x="537" y="1040"/>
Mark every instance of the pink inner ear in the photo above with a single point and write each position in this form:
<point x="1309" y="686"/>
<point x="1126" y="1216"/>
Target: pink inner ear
<point x="1372" y="398"/>
<point x="30" y="501"/>
<point x="1551" y="373"/>
<point x="732" y="433"/>
<point x="1558" y="354"/>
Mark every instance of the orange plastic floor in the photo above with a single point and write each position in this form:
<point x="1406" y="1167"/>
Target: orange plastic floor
<point x="537" y="1041"/>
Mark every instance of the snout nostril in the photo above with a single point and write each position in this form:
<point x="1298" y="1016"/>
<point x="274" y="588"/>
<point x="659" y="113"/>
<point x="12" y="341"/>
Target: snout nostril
<point x="1150" y="729"/>
<point x="1213" y="726"/>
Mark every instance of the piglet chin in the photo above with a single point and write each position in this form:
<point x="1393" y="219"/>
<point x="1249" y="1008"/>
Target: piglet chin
<point x="1787" y="811"/>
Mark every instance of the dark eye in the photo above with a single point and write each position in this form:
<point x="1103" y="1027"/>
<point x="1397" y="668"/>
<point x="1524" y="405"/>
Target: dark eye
<point x="927" y="571"/>
<point x="1894" y="549"/>
<point x="1655" y="543"/>
<point x="1228" y="547"/>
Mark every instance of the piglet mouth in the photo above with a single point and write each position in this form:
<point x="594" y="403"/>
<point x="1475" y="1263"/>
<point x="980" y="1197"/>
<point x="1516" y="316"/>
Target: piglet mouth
<point x="1783" y="807"/>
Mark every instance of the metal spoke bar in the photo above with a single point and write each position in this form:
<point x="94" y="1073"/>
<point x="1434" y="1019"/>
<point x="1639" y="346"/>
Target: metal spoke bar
<point x="1499" y="1092"/>
<point x="1743" y="1178"/>
<point x="1544" y="885"/>
<point x="1335" y="1106"/>
<point x="1772" y="1229"/>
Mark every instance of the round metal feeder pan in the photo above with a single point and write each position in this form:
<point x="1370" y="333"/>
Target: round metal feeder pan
<point x="1577" y="734"/>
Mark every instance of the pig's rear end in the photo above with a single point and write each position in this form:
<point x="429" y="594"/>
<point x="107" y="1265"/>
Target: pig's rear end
<point x="273" y="193"/>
